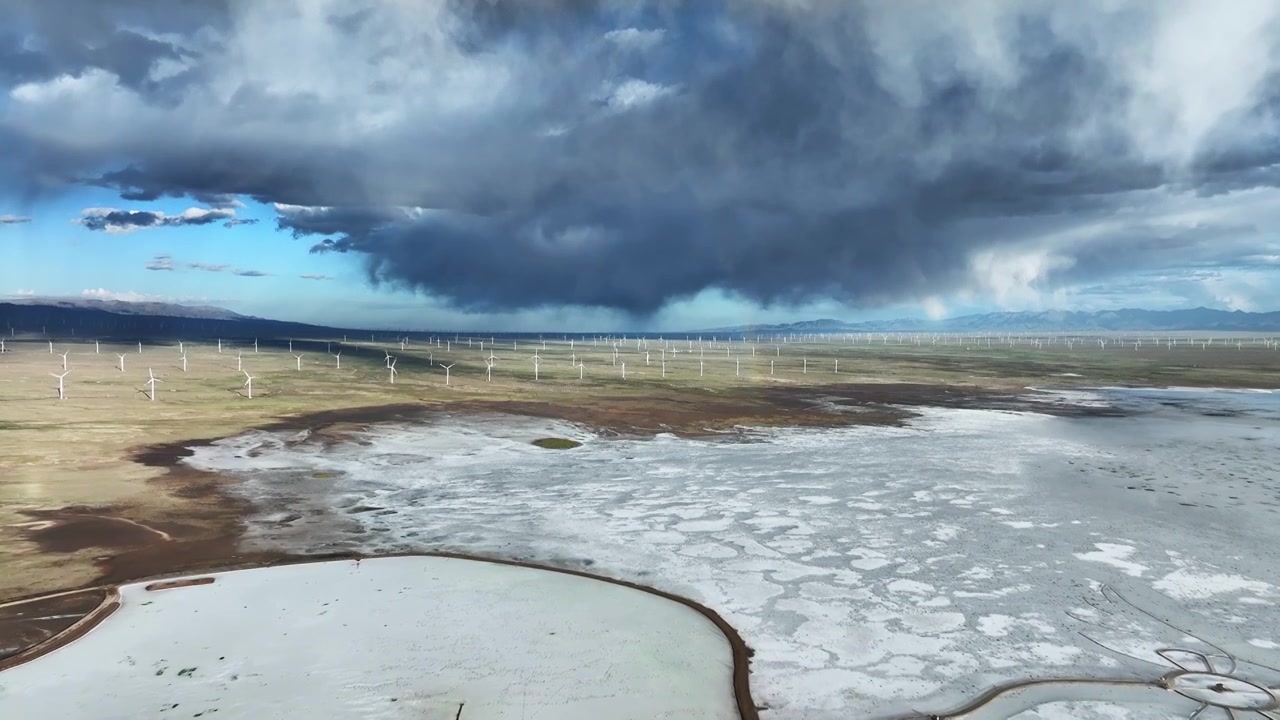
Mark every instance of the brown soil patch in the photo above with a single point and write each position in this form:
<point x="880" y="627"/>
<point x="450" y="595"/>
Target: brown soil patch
<point x="23" y="625"/>
<point x="174" y="584"/>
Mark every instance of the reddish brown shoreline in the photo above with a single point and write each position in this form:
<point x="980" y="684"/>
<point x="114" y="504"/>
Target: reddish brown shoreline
<point x="741" y="653"/>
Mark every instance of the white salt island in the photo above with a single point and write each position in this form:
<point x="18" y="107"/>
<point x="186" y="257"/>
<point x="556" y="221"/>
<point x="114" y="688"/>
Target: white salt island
<point x="397" y="637"/>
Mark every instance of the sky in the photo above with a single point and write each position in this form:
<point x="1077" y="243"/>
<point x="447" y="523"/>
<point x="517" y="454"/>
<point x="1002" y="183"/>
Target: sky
<point x="641" y="164"/>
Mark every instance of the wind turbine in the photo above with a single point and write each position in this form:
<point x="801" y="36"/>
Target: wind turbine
<point x="581" y="368"/>
<point x="291" y="346"/>
<point x="536" y="361"/>
<point x="392" y="368"/>
<point x="255" y="344"/>
<point x="62" y="394"/>
<point x="488" y="364"/>
<point x="152" y="382"/>
<point x="121" y="362"/>
<point x="139" y="347"/>
<point x="299" y="357"/>
<point x="219" y="345"/>
<point x="239" y="362"/>
<point x="446" y="371"/>
<point x="96" y="347"/>
<point x="50" y="347"/>
<point x="389" y="358"/>
<point x="248" y="382"/>
<point x="624" y="371"/>
<point x="182" y="348"/>
<point x="64" y="359"/>
<point x="338" y="358"/>
<point x="184" y="362"/>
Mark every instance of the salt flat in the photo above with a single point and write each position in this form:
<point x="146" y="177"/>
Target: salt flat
<point x="406" y="637"/>
<point x="875" y="570"/>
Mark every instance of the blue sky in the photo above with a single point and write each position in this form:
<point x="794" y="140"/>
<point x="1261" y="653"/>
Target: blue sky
<point x="634" y="164"/>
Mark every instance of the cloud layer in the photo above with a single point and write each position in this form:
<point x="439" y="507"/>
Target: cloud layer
<point x="504" y="154"/>
<point x="124" y="221"/>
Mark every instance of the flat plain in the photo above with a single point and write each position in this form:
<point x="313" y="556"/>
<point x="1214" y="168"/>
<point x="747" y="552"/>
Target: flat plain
<point x="103" y="487"/>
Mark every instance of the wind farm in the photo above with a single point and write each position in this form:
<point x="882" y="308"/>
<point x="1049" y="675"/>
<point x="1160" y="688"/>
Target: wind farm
<point x="102" y="441"/>
<point x="579" y="360"/>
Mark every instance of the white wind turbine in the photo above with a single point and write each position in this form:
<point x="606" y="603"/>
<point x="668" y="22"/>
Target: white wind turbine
<point x="446" y="371"/>
<point x="338" y="360"/>
<point x="536" y="361"/>
<point x="581" y="369"/>
<point x="96" y="347"/>
<point x="239" y="362"/>
<point x="248" y="382"/>
<point x="219" y="345"/>
<point x="255" y="344"/>
<point x="290" y="346"/>
<point x="299" y="359"/>
<point x="64" y="359"/>
<point x="182" y="347"/>
<point x="121" y="362"/>
<point x="488" y="365"/>
<point x="152" y="380"/>
<point x="392" y="368"/>
<point x="50" y="347"/>
<point x="62" y="393"/>
<point x="389" y="359"/>
<point x="624" y="371"/>
<point x="184" y="362"/>
<point x="139" y="347"/>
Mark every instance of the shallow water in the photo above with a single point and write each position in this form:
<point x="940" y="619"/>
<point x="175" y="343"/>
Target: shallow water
<point x="874" y="570"/>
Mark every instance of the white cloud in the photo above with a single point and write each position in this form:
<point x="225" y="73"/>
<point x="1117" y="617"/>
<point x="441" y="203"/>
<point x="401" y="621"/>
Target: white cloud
<point x="125" y="296"/>
<point x="14" y="219"/>
<point x="934" y="308"/>
<point x="116" y="221"/>
<point x="633" y="92"/>
<point x="22" y="292"/>
<point x="635" y="38"/>
<point x="1014" y="277"/>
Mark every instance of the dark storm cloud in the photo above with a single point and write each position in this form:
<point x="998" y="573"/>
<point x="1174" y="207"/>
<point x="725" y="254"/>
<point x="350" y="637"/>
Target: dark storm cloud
<point x="624" y="154"/>
<point x="110" y="220"/>
<point x="121" y="219"/>
<point x="72" y="36"/>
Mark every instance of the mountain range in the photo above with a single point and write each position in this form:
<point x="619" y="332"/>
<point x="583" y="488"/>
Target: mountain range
<point x="89" y="317"/>
<point x="1127" y="320"/>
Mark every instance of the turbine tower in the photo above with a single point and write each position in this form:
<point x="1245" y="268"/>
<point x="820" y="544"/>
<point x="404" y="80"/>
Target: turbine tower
<point x="62" y="393"/>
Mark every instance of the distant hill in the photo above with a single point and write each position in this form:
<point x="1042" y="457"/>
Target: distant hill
<point x="92" y="318"/>
<point x="1128" y="320"/>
